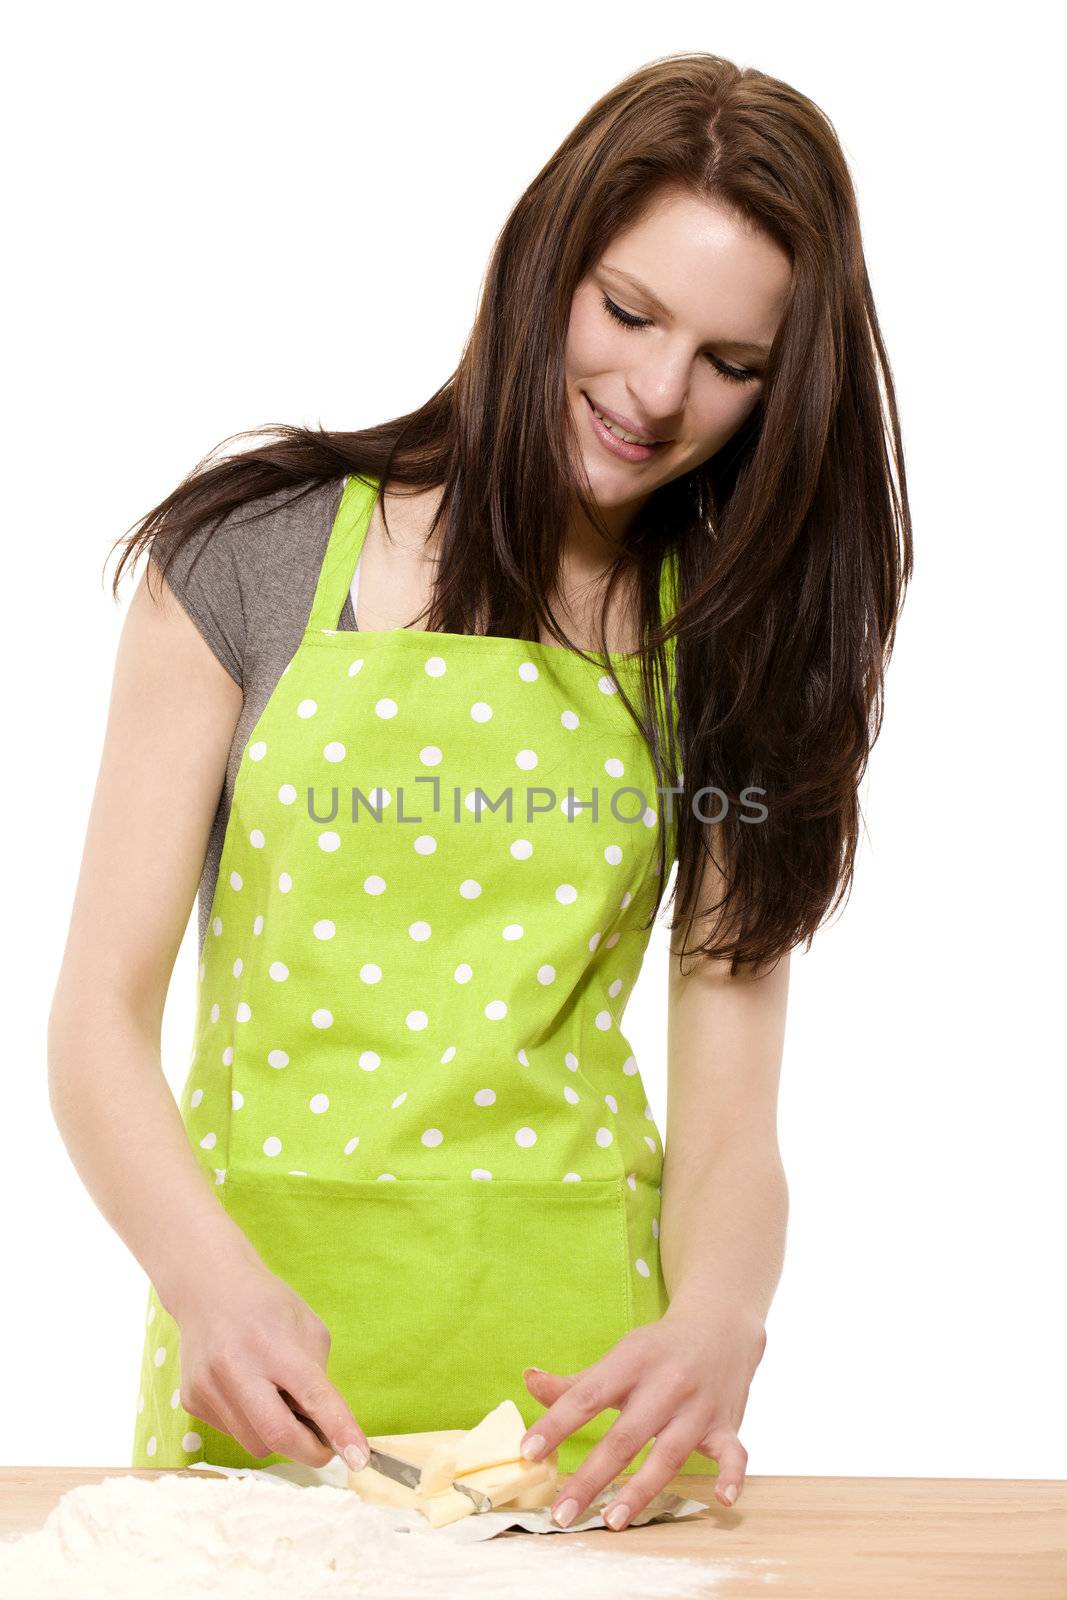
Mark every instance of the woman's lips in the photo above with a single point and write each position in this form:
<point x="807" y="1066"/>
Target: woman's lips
<point x="620" y="447"/>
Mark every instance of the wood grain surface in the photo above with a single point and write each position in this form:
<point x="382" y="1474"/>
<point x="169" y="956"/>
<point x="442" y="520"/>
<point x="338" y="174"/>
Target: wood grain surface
<point x="793" y="1538"/>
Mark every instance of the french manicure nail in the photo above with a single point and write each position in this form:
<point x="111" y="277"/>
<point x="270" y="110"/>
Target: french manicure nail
<point x="730" y="1492"/>
<point x="533" y="1447"/>
<point x="617" y="1515"/>
<point x="564" y="1514"/>
<point x="355" y="1458"/>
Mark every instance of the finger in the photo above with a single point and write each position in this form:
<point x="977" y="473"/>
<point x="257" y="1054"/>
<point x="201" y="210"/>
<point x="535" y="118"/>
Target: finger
<point x="732" y="1457"/>
<point x="672" y="1447"/>
<point x="635" y="1425"/>
<point x="606" y="1383"/>
<point x="318" y="1399"/>
<point x="276" y="1423"/>
<point x="237" y="1424"/>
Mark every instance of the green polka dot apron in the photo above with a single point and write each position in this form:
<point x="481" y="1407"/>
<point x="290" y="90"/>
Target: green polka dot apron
<point x="410" y="1085"/>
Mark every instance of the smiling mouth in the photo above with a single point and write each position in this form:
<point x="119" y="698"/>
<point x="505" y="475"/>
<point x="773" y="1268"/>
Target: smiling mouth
<point x="621" y="433"/>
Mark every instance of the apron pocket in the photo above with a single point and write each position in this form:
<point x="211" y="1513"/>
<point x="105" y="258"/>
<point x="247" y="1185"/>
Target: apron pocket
<point x="437" y="1292"/>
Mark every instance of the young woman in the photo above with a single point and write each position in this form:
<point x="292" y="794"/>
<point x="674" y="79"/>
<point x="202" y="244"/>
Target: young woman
<point x="441" y="704"/>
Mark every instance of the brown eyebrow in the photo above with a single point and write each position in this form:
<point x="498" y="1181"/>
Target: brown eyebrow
<point x="740" y="346"/>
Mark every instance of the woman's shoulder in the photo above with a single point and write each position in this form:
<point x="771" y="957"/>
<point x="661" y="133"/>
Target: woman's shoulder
<point x="248" y="581"/>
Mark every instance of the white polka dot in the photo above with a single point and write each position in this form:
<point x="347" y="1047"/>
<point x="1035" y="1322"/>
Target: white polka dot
<point x="651" y="1143"/>
<point x="416" y="1020"/>
<point x="522" y="849"/>
<point x="236" y="881"/>
<point x="614" y="767"/>
<point x="528" y="672"/>
<point x="191" y="1441"/>
<point x="286" y="794"/>
<point x="436" y="666"/>
<point x="285" y="882"/>
<point x="160" y="1355"/>
<point x="526" y="759"/>
<point x="614" y="987"/>
<point x="319" y="1103"/>
<point x="642" y="1267"/>
<point x="354" y="668"/>
<point x="611" y="941"/>
<point x="480" y="711"/>
<point x="322" y="1018"/>
<point x="607" y="685"/>
<point x="655" y="1227"/>
<point x="425" y="844"/>
<point x="432" y="1138"/>
<point x="572" y="1177"/>
<point x="243" y="1012"/>
<point x="525" y="1137"/>
<point x="625" y="901"/>
<point x="569" y="719"/>
<point x="351" y="1145"/>
<point x="151" y="1446"/>
<point x="237" y="1099"/>
<point x="613" y="854"/>
<point x="369" y="1060"/>
<point x="546" y="974"/>
<point x="216" y="926"/>
<point x="370" y="972"/>
<point x="448" y="1054"/>
<point x="523" y="1058"/>
<point x="324" y="928"/>
<point x="604" y="1137"/>
<point x="420" y="931"/>
<point x="257" y="751"/>
<point x="257" y="839"/>
<point x="430" y="755"/>
<point x="611" y="1103"/>
<point x="570" y="1095"/>
<point x="571" y="1060"/>
<point x="629" y="1066"/>
<point x="480" y="1173"/>
<point x="257" y="926"/>
<point x="485" y="1097"/>
<point x="272" y="1146"/>
<point x="603" y="1020"/>
<point x="215" y="1013"/>
<point x="277" y="1058"/>
<point x="513" y="930"/>
<point x="399" y="1101"/>
<point x="631" y="1179"/>
<point x="387" y="1177"/>
<point x="495" y="1010"/>
<point x="566" y="894"/>
<point x="649" y="818"/>
<point x="151" y="1315"/>
<point x="329" y="840"/>
<point x="334" y="751"/>
<point x="374" y="884"/>
<point x="470" y="888"/>
<point x="386" y="707"/>
<point x="196" y="1097"/>
<point x="278" y="971"/>
<point x="306" y="708"/>
<point x="594" y="941"/>
<point x="175" y="1401"/>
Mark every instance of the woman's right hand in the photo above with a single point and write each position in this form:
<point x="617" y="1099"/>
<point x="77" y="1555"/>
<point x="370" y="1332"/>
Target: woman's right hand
<point x="244" y="1339"/>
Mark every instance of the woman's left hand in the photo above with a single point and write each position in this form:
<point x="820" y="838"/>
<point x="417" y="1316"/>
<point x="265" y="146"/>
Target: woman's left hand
<point x="683" y="1380"/>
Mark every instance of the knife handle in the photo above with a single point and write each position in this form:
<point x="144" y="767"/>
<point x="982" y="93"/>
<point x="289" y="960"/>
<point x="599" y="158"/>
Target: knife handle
<point x="307" y="1421"/>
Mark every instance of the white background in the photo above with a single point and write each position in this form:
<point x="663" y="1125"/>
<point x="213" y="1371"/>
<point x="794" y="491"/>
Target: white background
<point x="228" y="215"/>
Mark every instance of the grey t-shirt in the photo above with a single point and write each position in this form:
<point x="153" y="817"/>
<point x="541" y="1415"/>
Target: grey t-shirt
<point x="248" y="586"/>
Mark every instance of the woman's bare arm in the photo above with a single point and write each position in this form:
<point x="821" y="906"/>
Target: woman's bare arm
<point x="170" y="725"/>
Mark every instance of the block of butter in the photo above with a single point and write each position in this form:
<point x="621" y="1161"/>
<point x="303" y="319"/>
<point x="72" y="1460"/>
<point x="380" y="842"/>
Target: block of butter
<point x="486" y="1457"/>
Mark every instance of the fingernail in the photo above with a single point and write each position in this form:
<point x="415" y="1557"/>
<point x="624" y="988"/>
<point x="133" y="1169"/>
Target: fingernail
<point x="730" y="1492"/>
<point x="355" y="1458"/>
<point x="533" y="1447"/>
<point x="618" y="1515"/>
<point x="564" y="1514"/>
<point x="527" y="1370"/>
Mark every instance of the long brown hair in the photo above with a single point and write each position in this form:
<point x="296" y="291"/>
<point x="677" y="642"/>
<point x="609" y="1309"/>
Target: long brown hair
<point x="792" y="543"/>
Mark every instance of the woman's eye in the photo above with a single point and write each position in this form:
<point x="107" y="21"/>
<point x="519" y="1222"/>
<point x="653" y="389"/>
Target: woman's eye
<point x="628" y="320"/>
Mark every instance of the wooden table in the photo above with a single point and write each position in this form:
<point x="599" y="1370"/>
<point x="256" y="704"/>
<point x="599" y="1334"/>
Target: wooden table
<point x="794" y="1538"/>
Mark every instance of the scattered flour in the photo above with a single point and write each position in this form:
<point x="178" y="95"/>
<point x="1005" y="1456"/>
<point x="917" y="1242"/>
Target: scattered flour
<point x="175" y="1538"/>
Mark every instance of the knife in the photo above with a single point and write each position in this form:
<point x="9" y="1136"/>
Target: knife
<point x="394" y="1467"/>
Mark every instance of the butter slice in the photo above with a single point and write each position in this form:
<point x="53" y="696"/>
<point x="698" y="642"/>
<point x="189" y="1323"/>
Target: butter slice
<point x="533" y="1481"/>
<point x="493" y="1441"/>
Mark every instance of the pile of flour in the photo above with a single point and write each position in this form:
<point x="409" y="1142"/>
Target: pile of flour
<point x="240" y="1538"/>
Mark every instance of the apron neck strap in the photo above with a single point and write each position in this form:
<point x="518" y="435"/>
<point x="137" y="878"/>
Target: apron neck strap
<point x="338" y="568"/>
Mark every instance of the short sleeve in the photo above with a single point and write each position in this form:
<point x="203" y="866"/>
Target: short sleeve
<point x="213" y="578"/>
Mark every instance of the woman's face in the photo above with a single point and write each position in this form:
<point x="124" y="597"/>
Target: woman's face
<point x="668" y="338"/>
